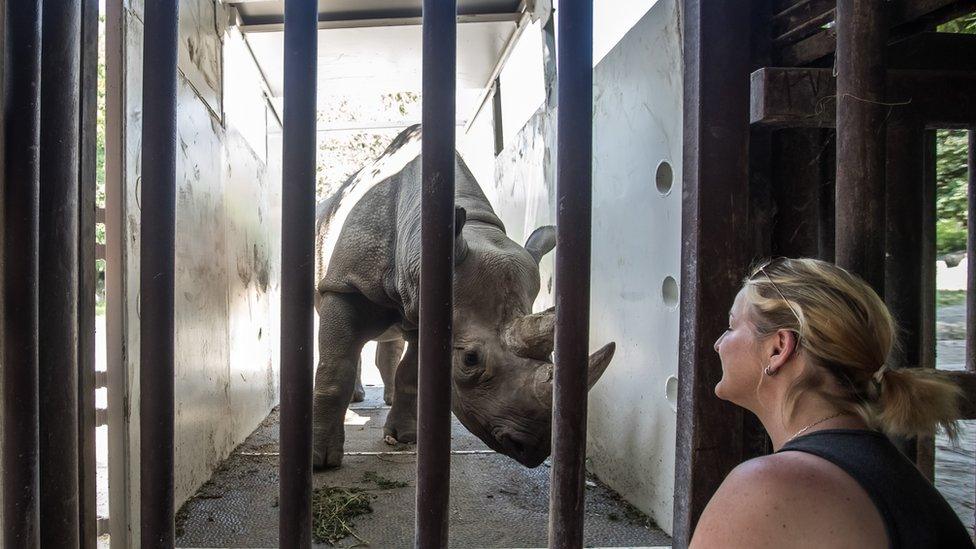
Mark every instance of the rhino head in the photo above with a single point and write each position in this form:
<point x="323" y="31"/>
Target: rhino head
<point x="502" y="368"/>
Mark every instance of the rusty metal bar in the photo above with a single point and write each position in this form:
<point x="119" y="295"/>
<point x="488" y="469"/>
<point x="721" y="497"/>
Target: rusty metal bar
<point x="970" y="254"/>
<point x="436" y="274"/>
<point x="157" y="274"/>
<point x="574" y="176"/>
<point x="861" y="38"/>
<point x="297" y="262"/>
<point x="716" y="237"/>
<point x="19" y="211"/>
<point x="87" y="473"/>
<point x="58" y="273"/>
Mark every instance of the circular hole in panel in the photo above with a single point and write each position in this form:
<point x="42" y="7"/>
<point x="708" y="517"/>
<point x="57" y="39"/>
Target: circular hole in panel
<point x="669" y="291"/>
<point x="671" y="392"/>
<point x="664" y="177"/>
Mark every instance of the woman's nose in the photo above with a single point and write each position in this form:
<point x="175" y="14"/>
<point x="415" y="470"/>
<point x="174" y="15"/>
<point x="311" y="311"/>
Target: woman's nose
<point x="718" y="341"/>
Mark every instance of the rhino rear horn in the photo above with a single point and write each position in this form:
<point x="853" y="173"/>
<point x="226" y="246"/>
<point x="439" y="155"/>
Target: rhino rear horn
<point x="541" y="242"/>
<point x="532" y="336"/>
<point x="460" y="246"/>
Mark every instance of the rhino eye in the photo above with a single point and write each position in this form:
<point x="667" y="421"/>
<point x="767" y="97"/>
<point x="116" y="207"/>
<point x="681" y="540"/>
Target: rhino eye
<point x="471" y="358"/>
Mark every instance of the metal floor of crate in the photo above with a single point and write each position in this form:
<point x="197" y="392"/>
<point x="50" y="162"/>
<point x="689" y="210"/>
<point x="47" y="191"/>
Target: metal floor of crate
<point x="495" y="502"/>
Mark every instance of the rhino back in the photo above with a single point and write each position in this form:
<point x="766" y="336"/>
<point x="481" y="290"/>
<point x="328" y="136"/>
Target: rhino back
<point x="368" y="234"/>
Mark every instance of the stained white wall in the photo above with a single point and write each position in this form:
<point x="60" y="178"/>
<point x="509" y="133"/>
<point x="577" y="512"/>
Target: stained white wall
<point x="227" y="250"/>
<point x="637" y="87"/>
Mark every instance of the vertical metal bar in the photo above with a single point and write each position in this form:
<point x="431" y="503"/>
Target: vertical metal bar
<point x="436" y="273"/>
<point x="58" y="273"/>
<point x="715" y="245"/>
<point x="19" y="213"/>
<point x="970" y="255"/>
<point x="903" y="258"/>
<point x="297" y="261"/>
<point x="88" y="527"/>
<point x="574" y="175"/>
<point x="861" y="38"/>
<point x="156" y="277"/>
<point x="927" y="342"/>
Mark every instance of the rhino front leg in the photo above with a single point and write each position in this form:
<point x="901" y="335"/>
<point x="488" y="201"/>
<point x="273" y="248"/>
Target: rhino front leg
<point x="347" y="322"/>
<point x="401" y="422"/>
<point x="388" y="354"/>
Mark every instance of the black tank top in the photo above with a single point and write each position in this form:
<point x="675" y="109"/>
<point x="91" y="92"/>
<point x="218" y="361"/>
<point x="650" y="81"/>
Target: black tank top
<point x="915" y="514"/>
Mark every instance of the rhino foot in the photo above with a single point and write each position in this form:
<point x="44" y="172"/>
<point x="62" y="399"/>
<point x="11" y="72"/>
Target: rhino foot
<point x="328" y="458"/>
<point x="403" y="434"/>
<point x="358" y="395"/>
<point x="388" y="395"/>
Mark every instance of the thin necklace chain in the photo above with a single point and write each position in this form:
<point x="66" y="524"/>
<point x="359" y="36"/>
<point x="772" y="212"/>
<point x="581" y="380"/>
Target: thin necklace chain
<point x="814" y="424"/>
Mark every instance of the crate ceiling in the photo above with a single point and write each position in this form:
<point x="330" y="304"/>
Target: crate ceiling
<point x="375" y="45"/>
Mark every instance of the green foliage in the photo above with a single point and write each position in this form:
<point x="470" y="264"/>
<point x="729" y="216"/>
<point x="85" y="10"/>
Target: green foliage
<point x="952" y="169"/>
<point x="951" y="190"/>
<point x="965" y="25"/>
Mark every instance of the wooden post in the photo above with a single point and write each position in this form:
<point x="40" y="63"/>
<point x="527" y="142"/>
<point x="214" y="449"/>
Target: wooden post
<point x="861" y="40"/>
<point x="904" y="246"/>
<point x="926" y="445"/>
<point x="716" y="245"/>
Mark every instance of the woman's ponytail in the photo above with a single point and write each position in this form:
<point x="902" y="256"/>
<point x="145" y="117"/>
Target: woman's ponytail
<point x="912" y="402"/>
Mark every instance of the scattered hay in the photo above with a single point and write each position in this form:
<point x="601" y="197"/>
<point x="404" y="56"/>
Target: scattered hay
<point x="333" y="511"/>
<point x="381" y="481"/>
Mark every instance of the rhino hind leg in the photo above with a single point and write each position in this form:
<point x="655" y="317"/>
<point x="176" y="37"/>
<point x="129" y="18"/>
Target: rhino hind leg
<point x="359" y="394"/>
<point x="388" y="354"/>
<point x="346" y="323"/>
<point x="401" y="422"/>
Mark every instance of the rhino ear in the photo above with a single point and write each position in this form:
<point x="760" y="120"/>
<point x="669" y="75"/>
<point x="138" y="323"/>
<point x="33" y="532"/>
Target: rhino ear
<point x="460" y="246"/>
<point x="541" y="242"/>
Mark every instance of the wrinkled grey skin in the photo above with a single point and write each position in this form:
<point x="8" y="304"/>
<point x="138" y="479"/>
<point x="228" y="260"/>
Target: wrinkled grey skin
<point x="368" y="290"/>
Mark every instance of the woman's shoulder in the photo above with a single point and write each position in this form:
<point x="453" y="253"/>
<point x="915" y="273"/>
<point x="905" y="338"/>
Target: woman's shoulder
<point x="789" y="498"/>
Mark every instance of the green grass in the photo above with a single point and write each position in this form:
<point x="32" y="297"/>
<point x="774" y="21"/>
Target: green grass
<point x="945" y="298"/>
<point x="333" y="511"/>
<point x="100" y="308"/>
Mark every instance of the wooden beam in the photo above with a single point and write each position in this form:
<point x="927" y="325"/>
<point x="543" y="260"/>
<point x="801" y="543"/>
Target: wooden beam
<point x="716" y="245"/>
<point x="801" y="20"/>
<point x="798" y="97"/>
<point x="905" y="17"/>
<point x="934" y="51"/>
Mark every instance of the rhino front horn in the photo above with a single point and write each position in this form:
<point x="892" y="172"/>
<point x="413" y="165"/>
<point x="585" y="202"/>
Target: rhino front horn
<point x="598" y="363"/>
<point x="532" y="336"/>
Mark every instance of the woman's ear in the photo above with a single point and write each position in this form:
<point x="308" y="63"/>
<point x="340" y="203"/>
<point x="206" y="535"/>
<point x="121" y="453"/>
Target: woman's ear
<point x="782" y="348"/>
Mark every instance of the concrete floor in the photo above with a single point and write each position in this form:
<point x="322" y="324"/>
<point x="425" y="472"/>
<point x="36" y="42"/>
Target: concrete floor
<point x="495" y="502"/>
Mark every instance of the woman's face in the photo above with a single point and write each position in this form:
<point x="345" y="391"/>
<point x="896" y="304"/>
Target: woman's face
<point x="742" y="367"/>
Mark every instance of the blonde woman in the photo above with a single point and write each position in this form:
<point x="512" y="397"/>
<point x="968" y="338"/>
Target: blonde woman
<point x="805" y="351"/>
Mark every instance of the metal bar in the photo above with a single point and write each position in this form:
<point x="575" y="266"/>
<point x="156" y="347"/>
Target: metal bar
<point x="88" y="104"/>
<point x="716" y="245"/>
<point x="971" y="253"/>
<point x="19" y="194"/>
<point x="574" y="177"/>
<point x="297" y="261"/>
<point x="861" y="36"/>
<point x="58" y="273"/>
<point x="156" y="277"/>
<point x="436" y="273"/>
